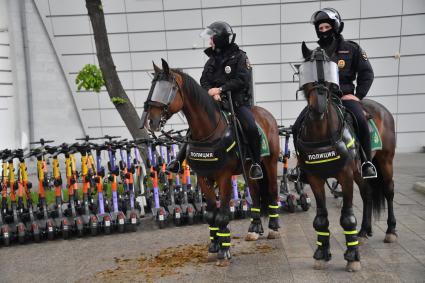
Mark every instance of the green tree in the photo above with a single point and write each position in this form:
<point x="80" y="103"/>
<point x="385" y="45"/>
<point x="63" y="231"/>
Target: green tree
<point x="109" y="73"/>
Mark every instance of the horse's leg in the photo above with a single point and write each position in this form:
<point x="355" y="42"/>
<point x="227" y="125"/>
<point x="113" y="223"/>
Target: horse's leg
<point x="222" y="218"/>
<point x="366" y="194"/>
<point x="211" y="213"/>
<point x="386" y="169"/>
<point x="348" y="220"/>
<point x="321" y="223"/>
<point x="273" y="207"/>
<point x="256" y="227"/>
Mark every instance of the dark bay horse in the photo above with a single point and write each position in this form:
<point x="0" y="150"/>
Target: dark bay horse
<point x="327" y="147"/>
<point x="173" y="91"/>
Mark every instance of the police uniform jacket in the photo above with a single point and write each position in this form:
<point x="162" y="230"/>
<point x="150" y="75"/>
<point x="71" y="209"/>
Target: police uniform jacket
<point x="352" y="62"/>
<point x="229" y="70"/>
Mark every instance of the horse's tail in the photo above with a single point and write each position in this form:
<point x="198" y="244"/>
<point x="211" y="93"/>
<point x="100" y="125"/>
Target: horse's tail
<point x="264" y="191"/>
<point x="377" y="187"/>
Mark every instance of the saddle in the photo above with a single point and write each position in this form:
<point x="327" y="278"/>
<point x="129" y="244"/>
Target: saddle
<point x="205" y="158"/>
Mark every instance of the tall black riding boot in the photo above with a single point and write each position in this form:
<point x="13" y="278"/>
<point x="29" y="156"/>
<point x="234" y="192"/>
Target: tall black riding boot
<point x="255" y="172"/>
<point x="368" y="169"/>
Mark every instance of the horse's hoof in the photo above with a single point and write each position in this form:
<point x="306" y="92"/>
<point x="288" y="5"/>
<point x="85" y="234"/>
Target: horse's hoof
<point x="320" y="264"/>
<point x="252" y="236"/>
<point x="362" y="240"/>
<point x="353" y="266"/>
<point x="390" y="238"/>
<point x="273" y="234"/>
<point x="223" y="262"/>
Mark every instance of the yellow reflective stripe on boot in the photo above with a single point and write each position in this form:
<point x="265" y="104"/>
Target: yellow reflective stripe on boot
<point x="323" y="233"/>
<point x="273" y="215"/>
<point x="225" y="244"/>
<point x="353" y="243"/>
<point x="318" y="243"/>
<point x="223" y="234"/>
<point x="213" y="228"/>
<point x="353" y="232"/>
<point x="255" y="209"/>
<point x="274" y="206"/>
<point x="211" y="238"/>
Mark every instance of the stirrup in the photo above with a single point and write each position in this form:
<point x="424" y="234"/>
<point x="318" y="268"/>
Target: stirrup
<point x="171" y="165"/>
<point x="369" y="165"/>
<point x="251" y="170"/>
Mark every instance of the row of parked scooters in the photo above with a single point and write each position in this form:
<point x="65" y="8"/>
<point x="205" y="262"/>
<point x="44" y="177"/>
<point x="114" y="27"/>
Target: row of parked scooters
<point x="83" y="198"/>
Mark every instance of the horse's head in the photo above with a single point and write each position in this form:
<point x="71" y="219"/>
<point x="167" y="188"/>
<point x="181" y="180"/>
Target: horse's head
<point x="164" y="99"/>
<point x="318" y="78"/>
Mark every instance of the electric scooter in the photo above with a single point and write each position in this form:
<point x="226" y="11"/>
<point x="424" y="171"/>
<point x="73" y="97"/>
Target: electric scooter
<point x="117" y="216"/>
<point x="46" y="223"/>
<point x="62" y="226"/>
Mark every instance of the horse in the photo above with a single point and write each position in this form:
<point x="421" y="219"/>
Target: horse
<point x="327" y="147"/>
<point x="172" y="91"/>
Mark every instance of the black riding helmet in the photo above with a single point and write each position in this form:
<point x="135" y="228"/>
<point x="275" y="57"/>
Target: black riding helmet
<point x="221" y="33"/>
<point x="330" y="16"/>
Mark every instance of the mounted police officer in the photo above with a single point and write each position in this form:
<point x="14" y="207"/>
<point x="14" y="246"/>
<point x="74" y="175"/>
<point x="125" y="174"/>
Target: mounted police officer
<point x="228" y="69"/>
<point x="352" y="62"/>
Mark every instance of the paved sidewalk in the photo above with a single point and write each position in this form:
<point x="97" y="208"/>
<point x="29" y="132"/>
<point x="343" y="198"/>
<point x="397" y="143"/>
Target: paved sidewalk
<point x="133" y="257"/>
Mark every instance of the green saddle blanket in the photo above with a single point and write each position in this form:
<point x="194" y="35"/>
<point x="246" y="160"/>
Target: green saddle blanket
<point x="265" y="149"/>
<point x="375" y="138"/>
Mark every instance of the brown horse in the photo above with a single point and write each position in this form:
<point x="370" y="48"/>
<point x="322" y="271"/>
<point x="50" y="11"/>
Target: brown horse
<point x="173" y="91"/>
<point x="327" y="147"/>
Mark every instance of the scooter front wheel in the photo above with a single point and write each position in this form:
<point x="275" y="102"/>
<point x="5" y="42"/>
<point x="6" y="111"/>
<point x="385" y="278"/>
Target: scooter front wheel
<point x="6" y="241"/>
<point x="65" y="234"/>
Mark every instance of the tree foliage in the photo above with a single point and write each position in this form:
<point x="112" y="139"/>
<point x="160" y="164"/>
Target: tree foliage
<point x="90" y="78"/>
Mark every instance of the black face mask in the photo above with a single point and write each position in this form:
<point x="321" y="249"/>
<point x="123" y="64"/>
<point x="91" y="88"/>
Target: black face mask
<point x="326" y="38"/>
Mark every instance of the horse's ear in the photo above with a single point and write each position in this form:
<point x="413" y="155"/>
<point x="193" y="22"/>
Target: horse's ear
<point x="156" y="68"/>
<point x="165" y="66"/>
<point x="306" y="52"/>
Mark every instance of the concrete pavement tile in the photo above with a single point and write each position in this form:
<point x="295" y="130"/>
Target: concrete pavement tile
<point x="380" y="276"/>
<point x="395" y="255"/>
<point x="402" y="199"/>
<point x="407" y="272"/>
<point x="421" y="259"/>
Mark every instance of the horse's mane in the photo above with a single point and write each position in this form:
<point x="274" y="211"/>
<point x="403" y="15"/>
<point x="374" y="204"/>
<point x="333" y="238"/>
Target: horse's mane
<point x="199" y="94"/>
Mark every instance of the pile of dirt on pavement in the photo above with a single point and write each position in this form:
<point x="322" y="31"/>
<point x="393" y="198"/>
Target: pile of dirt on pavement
<point x="148" y="269"/>
<point x="168" y="262"/>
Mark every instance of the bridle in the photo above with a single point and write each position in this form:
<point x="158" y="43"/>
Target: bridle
<point x="163" y="105"/>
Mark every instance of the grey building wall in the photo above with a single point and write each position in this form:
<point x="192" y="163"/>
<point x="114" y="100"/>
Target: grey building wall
<point x="35" y="99"/>
<point x="270" y="31"/>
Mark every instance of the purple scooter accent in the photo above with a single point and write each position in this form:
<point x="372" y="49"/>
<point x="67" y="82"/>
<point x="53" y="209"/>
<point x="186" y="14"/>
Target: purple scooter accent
<point x="235" y="188"/>
<point x="152" y="159"/>
<point x="113" y="168"/>
<point x="131" y="186"/>
<point x="100" y="194"/>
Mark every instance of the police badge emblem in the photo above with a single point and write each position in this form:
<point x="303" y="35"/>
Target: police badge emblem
<point x="341" y="64"/>
<point x="227" y="69"/>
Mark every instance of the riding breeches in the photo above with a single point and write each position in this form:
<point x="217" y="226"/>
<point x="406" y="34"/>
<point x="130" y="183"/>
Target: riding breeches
<point x="247" y="120"/>
<point x="363" y="133"/>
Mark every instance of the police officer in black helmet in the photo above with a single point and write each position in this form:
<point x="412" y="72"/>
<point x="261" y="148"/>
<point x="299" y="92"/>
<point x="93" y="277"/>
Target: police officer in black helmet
<point x="352" y="62"/>
<point x="228" y="69"/>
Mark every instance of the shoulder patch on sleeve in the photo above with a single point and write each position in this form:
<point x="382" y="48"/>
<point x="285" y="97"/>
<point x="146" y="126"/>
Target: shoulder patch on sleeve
<point x="248" y="64"/>
<point x="364" y="55"/>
